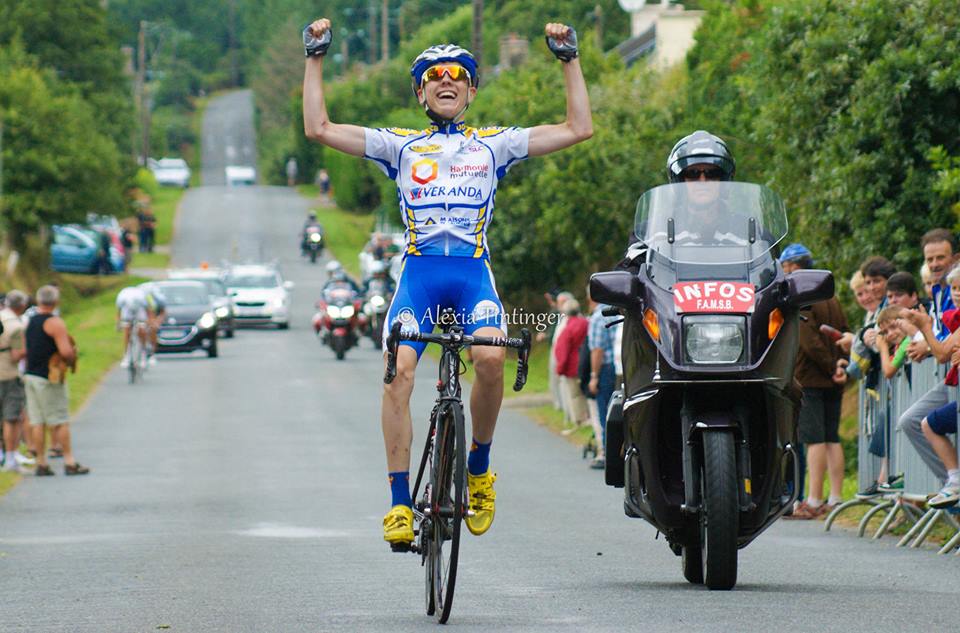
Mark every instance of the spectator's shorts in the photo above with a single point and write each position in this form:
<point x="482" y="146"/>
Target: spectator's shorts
<point x="47" y="402"/>
<point x="12" y="397"/>
<point x="943" y="420"/>
<point x="432" y="283"/>
<point x="820" y="416"/>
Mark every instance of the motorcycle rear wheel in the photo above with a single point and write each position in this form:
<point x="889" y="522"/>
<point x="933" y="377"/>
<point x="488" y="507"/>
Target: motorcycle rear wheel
<point x="720" y="511"/>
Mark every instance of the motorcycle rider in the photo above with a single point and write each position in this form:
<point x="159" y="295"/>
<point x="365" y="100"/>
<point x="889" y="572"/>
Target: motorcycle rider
<point x="446" y="179"/>
<point x="698" y="159"/>
<point x="338" y="277"/>
<point x="310" y="225"/>
<point x="379" y="273"/>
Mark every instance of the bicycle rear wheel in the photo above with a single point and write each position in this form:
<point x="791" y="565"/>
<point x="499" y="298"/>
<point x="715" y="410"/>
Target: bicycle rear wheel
<point x="448" y="491"/>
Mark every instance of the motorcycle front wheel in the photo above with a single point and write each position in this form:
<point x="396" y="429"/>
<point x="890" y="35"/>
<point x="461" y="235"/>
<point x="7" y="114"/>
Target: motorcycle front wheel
<point x="720" y="512"/>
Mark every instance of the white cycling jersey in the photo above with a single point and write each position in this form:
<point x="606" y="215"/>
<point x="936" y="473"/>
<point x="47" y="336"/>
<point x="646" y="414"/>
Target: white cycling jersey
<point x="132" y="303"/>
<point x="447" y="180"/>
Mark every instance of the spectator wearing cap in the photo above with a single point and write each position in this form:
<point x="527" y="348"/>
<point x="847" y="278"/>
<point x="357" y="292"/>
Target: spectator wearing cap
<point x="819" y="423"/>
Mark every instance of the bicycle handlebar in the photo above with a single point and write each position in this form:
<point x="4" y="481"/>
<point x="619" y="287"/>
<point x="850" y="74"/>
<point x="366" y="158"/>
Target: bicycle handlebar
<point x="458" y="339"/>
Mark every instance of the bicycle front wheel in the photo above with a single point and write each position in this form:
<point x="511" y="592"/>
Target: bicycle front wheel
<point x="448" y="492"/>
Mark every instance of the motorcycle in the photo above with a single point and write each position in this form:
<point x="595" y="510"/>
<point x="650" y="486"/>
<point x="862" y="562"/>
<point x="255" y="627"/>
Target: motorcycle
<point x="312" y="243"/>
<point x="705" y="427"/>
<point x="339" y="319"/>
<point x="375" y="308"/>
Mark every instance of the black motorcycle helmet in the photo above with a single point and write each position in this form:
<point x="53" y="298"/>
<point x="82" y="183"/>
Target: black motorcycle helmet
<point x="699" y="148"/>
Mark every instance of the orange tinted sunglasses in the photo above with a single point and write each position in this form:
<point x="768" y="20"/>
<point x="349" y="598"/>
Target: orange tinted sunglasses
<point x="456" y="72"/>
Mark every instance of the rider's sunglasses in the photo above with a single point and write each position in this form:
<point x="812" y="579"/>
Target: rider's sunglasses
<point x="695" y="173"/>
<point x="456" y="72"/>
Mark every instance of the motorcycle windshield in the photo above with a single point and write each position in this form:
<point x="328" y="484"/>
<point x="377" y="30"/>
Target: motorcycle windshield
<point x="711" y="230"/>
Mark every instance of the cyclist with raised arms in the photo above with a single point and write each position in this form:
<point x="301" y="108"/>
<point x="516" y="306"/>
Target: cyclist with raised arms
<point x="447" y="176"/>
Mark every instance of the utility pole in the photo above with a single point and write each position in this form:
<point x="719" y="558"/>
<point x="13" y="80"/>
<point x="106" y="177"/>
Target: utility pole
<point x="478" y="31"/>
<point x="372" y="34"/>
<point x="344" y="49"/>
<point x="232" y="36"/>
<point x="141" y="88"/>
<point x="385" y="31"/>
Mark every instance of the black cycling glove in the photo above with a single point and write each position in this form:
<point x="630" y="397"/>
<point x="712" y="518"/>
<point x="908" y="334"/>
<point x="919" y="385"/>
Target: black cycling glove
<point x="564" y="50"/>
<point x="313" y="46"/>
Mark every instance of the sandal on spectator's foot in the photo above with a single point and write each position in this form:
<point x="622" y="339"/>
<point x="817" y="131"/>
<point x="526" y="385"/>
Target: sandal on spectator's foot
<point x="55" y="453"/>
<point x="805" y="512"/>
<point x="43" y="470"/>
<point x="75" y="469"/>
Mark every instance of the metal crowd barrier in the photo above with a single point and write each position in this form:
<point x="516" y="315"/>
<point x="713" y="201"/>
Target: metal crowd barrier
<point x="879" y="412"/>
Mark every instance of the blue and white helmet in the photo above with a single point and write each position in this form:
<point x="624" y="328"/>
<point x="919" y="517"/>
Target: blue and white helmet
<point x="443" y="53"/>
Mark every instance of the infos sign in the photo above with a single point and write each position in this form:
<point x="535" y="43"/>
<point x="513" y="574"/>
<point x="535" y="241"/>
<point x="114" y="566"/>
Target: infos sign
<point x="713" y="296"/>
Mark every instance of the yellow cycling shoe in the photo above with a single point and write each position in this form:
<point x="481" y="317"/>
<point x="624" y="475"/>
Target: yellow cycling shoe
<point x="398" y="525"/>
<point x="482" y="499"/>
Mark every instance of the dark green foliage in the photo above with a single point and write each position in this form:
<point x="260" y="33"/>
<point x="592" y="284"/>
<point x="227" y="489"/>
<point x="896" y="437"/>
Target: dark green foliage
<point x="57" y="165"/>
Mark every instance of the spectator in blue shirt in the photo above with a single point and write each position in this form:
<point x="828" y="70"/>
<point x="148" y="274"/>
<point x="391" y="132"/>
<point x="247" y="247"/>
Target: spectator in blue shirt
<point x="602" y="373"/>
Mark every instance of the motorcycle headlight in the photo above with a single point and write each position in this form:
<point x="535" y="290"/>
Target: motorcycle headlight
<point x="346" y="312"/>
<point x="315" y="237"/>
<point x="376" y="301"/>
<point x="333" y="311"/>
<point x="222" y="312"/>
<point x="713" y="340"/>
<point x="207" y="321"/>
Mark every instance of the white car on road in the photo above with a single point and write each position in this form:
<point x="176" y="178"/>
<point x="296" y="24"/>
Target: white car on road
<point x="240" y="175"/>
<point x="260" y="295"/>
<point x="171" y="171"/>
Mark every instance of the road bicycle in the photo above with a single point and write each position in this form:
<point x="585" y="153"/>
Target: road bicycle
<point x="136" y="354"/>
<point x="441" y="508"/>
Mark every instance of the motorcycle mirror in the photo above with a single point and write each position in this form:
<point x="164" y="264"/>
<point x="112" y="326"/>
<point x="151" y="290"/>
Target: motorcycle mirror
<point x="806" y="287"/>
<point x="617" y="288"/>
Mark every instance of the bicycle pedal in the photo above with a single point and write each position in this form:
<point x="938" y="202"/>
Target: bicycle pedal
<point x="401" y="547"/>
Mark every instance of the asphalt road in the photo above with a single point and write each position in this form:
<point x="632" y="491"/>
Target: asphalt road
<point x="245" y="493"/>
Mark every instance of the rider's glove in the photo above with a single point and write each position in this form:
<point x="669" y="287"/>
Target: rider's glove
<point x="315" y="46"/>
<point x="565" y="49"/>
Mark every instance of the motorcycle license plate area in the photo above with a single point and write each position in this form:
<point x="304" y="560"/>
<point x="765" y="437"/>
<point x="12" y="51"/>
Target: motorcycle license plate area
<point x="714" y="297"/>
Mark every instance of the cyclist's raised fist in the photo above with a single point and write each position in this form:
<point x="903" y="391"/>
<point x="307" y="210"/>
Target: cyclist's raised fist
<point x="318" y="27"/>
<point x="561" y="40"/>
<point x="316" y="38"/>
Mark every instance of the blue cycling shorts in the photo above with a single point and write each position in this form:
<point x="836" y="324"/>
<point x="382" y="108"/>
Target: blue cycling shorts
<point x="429" y="284"/>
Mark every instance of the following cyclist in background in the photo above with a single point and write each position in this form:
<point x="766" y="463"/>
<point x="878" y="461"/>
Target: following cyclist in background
<point x="447" y="176"/>
<point x="132" y="306"/>
<point x="156" y="310"/>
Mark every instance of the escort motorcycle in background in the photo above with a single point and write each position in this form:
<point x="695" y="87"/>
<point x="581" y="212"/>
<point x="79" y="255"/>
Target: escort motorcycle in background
<point x="312" y="243"/>
<point x="707" y="439"/>
<point x="339" y="320"/>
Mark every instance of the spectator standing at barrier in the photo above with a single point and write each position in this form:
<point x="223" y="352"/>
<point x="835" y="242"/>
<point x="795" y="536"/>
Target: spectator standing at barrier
<point x="12" y="396"/>
<point x="819" y="422"/>
<point x="939" y="256"/>
<point x="893" y="343"/>
<point x="602" y="373"/>
<point x="927" y="279"/>
<point x="567" y="357"/>
<point x="864" y="361"/>
<point x="50" y="351"/>
<point x="934" y="448"/>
